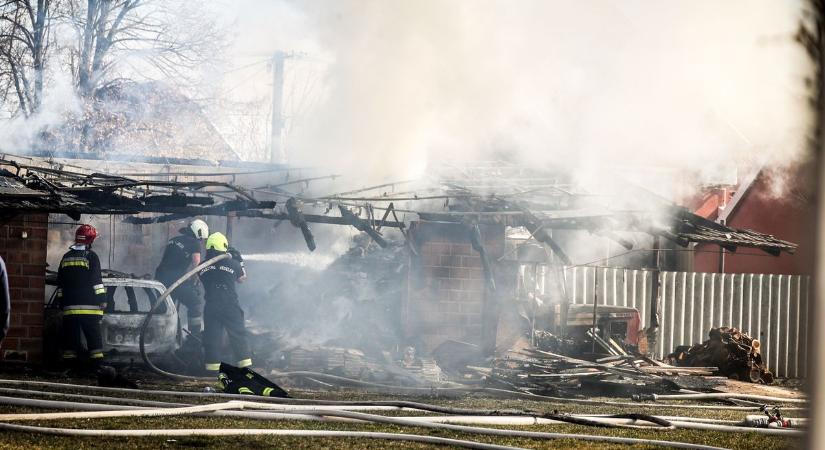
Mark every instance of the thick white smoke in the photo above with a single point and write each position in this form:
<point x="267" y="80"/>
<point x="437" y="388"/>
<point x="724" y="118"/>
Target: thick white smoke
<point x="697" y="85"/>
<point x="19" y="134"/>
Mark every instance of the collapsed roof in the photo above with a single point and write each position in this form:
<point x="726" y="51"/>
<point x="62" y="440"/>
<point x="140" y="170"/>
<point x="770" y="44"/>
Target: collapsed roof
<point x="509" y="195"/>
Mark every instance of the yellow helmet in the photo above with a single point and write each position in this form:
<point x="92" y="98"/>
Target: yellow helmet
<point x="217" y="241"/>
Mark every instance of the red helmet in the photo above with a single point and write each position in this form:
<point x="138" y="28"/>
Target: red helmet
<point x="85" y="234"/>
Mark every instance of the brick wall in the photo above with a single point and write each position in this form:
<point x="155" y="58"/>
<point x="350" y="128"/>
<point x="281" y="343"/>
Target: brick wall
<point x="25" y="259"/>
<point x="446" y="294"/>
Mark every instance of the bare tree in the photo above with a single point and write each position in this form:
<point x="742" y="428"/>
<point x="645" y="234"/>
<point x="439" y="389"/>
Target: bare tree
<point x="152" y="39"/>
<point x="24" y="45"/>
<point x="105" y="45"/>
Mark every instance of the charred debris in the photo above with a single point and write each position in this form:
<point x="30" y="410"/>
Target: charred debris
<point x="573" y="348"/>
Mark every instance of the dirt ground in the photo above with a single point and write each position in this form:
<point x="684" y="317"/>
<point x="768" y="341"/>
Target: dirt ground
<point x="13" y="439"/>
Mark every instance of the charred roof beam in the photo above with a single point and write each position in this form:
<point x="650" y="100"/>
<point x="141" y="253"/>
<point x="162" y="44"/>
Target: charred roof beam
<point x="362" y="225"/>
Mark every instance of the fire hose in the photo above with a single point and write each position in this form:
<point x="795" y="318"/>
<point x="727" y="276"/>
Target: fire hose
<point x="344" y="414"/>
<point x="155" y="306"/>
<point x="751" y="424"/>
<point x="722" y="396"/>
<point x="401" y="403"/>
<point x="256" y="432"/>
<point x="133" y="403"/>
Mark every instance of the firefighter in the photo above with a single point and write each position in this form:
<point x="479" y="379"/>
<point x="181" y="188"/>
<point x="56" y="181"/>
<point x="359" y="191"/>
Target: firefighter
<point x="82" y="297"/>
<point x="182" y="253"/>
<point x="222" y="311"/>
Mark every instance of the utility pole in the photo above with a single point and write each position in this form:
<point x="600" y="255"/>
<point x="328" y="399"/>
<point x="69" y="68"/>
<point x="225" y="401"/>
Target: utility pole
<point x="276" y="152"/>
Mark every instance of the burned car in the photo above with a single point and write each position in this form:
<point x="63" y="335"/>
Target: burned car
<point x="128" y="301"/>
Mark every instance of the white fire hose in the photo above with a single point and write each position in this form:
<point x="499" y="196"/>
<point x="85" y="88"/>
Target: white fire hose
<point x="349" y="414"/>
<point x="723" y="396"/>
<point x="255" y="432"/>
<point x="417" y="405"/>
<point x="467" y="417"/>
<point x="413" y="422"/>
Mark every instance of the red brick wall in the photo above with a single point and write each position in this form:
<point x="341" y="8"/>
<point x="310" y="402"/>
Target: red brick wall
<point x="446" y="286"/>
<point x="26" y="263"/>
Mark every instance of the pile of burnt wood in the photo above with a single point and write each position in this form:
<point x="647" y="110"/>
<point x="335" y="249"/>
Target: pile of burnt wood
<point x="534" y="371"/>
<point x="736" y="354"/>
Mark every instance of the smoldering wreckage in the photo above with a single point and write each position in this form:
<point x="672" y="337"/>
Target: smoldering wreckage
<point x="465" y="293"/>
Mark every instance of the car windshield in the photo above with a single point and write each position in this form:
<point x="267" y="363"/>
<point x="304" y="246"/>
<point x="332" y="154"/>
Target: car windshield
<point x="132" y="300"/>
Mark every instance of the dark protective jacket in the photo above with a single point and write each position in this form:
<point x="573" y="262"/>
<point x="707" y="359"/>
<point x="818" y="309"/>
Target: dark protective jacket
<point x="236" y="380"/>
<point x="177" y="257"/>
<point x="219" y="279"/>
<point x="80" y="289"/>
<point x="5" y="301"/>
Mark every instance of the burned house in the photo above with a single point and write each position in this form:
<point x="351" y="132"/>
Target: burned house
<point x="483" y="259"/>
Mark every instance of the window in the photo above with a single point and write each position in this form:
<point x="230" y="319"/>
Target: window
<point x="132" y="300"/>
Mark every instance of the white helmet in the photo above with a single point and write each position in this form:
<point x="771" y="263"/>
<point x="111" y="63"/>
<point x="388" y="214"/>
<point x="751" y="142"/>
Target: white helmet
<point x="199" y="228"/>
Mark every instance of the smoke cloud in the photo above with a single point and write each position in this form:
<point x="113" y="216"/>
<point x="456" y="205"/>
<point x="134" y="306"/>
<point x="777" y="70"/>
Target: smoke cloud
<point x="589" y="85"/>
<point x="19" y="134"/>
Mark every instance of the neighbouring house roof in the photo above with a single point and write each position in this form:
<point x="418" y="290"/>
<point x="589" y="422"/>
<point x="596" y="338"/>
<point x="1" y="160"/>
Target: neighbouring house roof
<point x="139" y="120"/>
<point x="741" y="191"/>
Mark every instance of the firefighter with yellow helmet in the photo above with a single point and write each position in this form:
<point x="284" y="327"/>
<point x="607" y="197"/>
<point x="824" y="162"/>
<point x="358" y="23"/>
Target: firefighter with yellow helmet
<point x="222" y="312"/>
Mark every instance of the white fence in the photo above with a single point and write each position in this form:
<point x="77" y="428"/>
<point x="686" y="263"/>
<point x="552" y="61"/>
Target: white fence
<point x="772" y="307"/>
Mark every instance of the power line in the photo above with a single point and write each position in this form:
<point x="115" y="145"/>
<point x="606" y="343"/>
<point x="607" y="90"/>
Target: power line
<point x="246" y="66"/>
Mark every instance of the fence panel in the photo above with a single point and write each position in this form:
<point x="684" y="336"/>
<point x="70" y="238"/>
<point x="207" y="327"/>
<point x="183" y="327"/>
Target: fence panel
<point x="773" y="308"/>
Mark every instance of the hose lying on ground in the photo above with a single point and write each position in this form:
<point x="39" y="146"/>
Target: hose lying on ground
<point x="722" y="396"/>
<point x="402" y="403"/>
<point x="99" y="398"/>
<point x="255" y="432"/>
<point x="344" y="414"/>
<point x="158" y="302"/>
<point x="479" y="417"/>
<point x="78" y="406"/>
<point x="467" y="417"/>
<point x="609" y="421"/>
<point x="153" y="412"/>
<point x="294" y="412"/>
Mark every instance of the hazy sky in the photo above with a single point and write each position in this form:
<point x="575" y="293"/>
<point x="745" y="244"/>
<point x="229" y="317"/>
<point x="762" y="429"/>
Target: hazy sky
<point x="384" y="86"/>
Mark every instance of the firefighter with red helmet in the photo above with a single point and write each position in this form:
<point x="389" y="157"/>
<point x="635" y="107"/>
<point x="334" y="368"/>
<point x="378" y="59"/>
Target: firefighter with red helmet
<point x="82" y="297"/>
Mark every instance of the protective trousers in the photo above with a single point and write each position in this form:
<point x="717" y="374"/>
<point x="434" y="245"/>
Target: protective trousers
<point x="188" y="295"/>
<point x="77" y="326"/>
<point x="220" y="315"/>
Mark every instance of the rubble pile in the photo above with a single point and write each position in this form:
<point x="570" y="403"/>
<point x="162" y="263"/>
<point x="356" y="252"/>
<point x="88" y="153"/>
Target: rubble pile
<point x="354" y="364"/>
<point x="345" y="362"/>
<point x="535" y="371"/>
<point x="736" y="354"/>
